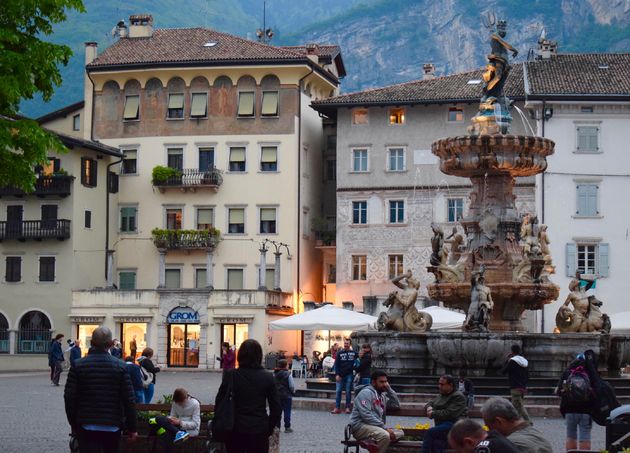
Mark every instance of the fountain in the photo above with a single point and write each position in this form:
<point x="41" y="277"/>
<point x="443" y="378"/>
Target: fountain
<point x="501" y="270"/>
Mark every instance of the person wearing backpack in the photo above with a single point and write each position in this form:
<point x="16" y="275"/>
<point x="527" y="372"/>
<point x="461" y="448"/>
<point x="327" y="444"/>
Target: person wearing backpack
<point x="135" y="374"/>
<point x="286" y="390"/>
<point x="574" y="390"/>
<point x="149" y="371"/>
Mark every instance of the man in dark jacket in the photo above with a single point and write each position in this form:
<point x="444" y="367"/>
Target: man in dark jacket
<point x="516" y="368"/>
<point x="99" y="398"/>
<point x="344" y="367"/>
<point x="446" y="409"/>
<point x="75" y="351"/>
<point x="136" y="379"/>
<point x="286" y="390"/>
<point x="55" y="359"/>
<point x="468" y="436"/>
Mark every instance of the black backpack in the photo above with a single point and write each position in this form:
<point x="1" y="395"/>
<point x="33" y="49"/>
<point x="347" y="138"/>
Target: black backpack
<point x="576" y="388"/>
<point x="224" y="411"/>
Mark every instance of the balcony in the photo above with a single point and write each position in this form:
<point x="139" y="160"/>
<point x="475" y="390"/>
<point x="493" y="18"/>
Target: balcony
<point x="35" y="229"/>
<point x="186" y="239"/>
<point x="188" y="179"/>
<point x="45" y="186"/>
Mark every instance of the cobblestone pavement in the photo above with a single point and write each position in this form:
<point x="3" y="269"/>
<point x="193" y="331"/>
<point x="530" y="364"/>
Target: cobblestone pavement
<point x="33" y="417"/>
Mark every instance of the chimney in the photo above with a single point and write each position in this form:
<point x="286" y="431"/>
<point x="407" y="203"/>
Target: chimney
<point x="312" y="52"/>
<point x="91" y="49"/>
<point x="428" y="71"/>
<point x="140" y="26"/>
<point x="547" y="49"/>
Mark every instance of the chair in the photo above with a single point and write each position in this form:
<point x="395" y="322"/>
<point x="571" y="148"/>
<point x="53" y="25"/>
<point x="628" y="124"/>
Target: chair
<point x="296" y="367"/>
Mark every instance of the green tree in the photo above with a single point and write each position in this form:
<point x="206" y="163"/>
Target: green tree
<point x="28" y="66"/>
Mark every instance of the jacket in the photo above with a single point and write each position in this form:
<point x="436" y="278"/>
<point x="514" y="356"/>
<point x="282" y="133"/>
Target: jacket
<point x="517" y="371"/>
<point x="495" y="443"/>
<point x="75" y="354"/>
<point x="99" y="392"/>
<point x="528" y="439"/>
<point x="344" y="363"/>
<point x="228" y="360"/>
<point x="567" y="406"/>
<point x="369" y="407"/>
<point x="466" y="387"/>
<point x="189" y="414"/>
<point x="55" y="353"/>
<point x="284" y="384"/>
<point x="147" y="364"/>
<point x="449" y="408"/>
<point x="365" y="366"/>
<point x="135" y="375"/>
<point x="254" y="388"/>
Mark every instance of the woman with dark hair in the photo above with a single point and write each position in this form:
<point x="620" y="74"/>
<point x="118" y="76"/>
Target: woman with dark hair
<point x="254" y="388"/>
<point x="150" y="370"/>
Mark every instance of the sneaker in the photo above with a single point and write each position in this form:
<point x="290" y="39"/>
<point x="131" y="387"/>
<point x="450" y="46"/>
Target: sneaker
<point x="348" y="410"/>
<point x="288" y="430"/>
<point x="336" y="411"/>
<point x="180" y="436"/>
<point x="152" y="421"/>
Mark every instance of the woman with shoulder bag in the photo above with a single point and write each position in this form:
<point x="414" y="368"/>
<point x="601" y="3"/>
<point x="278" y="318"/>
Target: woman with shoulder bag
<point x="253" y="388"/>
<point x="146" y="364"/>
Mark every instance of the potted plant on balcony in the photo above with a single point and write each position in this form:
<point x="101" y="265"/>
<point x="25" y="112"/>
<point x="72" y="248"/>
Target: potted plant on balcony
<point x="325" y="233"/>
<point x="183" y="239"/>
<point x="162" y="175"/>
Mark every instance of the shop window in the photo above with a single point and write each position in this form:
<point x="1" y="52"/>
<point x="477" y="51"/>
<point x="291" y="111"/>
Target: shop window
<point x="234" y="334"/>
<point x="84" y="333"/>
<point x="133" y="338"/>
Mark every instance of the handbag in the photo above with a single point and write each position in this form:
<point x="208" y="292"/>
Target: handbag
<point x="224" y="411"/>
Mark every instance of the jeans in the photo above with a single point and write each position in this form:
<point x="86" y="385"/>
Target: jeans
<point x="148" y="393"/>
<point x="98" y="441"/>
<point x="517" y="397"/>
<point x="435" y="439"/>
<point x="345" y="382"/>
<point x="285" y="404"/>
<point x="365" y="381"/>
<point x="57" y="372"/>
<point x="139" y="396"/>
<point x="168" y="436"/>
<point x="582" y="421"/>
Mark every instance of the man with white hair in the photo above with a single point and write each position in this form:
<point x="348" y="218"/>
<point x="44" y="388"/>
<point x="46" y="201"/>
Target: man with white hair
<point x="500" y="415"/>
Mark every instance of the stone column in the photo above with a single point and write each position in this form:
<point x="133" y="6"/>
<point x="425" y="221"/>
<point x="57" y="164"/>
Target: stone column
<point x="262" y="270"/>
<point x="162" y="270"/>
<point x="276" y="273"/>
<point x="209" y="270"/>
<point x="12" y="341"/>
<point x="110" y="269"/>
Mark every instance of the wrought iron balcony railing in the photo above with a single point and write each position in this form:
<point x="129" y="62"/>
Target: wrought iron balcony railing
<point x="35" y="229"/>
<point x="186" y="239"/>
<point x="190" y="178"/>
<point x="44" y="186"/>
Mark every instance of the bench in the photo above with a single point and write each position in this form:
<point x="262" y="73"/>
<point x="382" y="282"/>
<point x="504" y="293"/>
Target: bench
<point x="349" y="442"/>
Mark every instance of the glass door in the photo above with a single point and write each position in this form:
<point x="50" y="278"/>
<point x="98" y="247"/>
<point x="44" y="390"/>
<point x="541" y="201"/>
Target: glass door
<point x="234" y="334"/>
<point x="192" y="345"/>
<point x="183" y="345"/>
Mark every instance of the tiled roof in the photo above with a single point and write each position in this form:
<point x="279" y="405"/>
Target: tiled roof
<point x="580" y="74"/>
<point x="61" y="113"/>
<point x="186" y="45"/>
<point x="321" y="50"/>
<point x="449" y="88"/>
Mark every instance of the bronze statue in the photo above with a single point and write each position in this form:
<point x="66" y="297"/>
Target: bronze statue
<point x="439" y="254"/>
<point x="481" y="304"/>
<point x="586" y="315"/>
<point x="402" y="314"/>
<point x="498" y="66"/>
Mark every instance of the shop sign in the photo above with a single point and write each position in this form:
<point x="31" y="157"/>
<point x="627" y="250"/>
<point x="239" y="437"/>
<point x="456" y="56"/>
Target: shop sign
<point x="234" y="319"/>
<point x="86" y="319"/>
<point x="183" y="315"/>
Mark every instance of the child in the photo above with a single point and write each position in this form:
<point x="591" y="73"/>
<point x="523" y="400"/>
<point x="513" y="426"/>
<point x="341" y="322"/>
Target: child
<point x="286" y="390"/>
<point x="184" y="420"/>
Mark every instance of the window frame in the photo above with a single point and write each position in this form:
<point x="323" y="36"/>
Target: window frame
<point x="262" y="105"/>
<point x="229" y="209"/>
<point x="135" y="279"/>
<point x="179" y="110"/>
<point x="192" y="104"/>
<point x="238" y="105"/>
<point x="39" y="268"/>
<point x="87" y="219"/>
<point x="275" y="163"/>
<point x="357" y="209"/>
<point x="227" y="277"/>
<point x="586" y="259"/>
<point x="397" y="210"/>
<point x="181" y="217"/>
<point x="89" y="179"/>
<point x="358" y="264"/>
<point x="399" y="116"/>
<point x="399" y="265"/>
<point x="204" y="208"/>
<point x="260" y="220"/>
<point x="121" y="216"/>
<point x="458" y="112"/>
<point x="353" y="157"/>
<point x="210" y="149"/>
<point x="389" y="158"/>
<point x="175" y="151"/>
<point x="128" y="97"/>
<point x="123" y="171"/>
<point x="589" y="214"/>
<point x="448" y="209"/>
<point x="14" y="259"/>
<point x="76" y="122"/>
<point x="353" y="116"/>
<point x="595" y="125"/>
<point x="173" y="269"/>
<point x="244" y="161"/>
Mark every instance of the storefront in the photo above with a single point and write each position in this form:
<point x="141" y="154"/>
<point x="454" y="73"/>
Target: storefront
<point x="133" y="333"/>
<point x="183" y="337"/>
<point x="85" y="326"/>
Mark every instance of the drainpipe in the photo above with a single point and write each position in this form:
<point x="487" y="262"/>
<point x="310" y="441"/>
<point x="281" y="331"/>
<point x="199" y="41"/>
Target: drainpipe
<point x="107" y="251"/>
<point x="542" y="204"/>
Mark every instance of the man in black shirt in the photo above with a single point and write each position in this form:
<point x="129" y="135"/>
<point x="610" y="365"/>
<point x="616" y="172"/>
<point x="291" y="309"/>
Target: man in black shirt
<point x="467" y="436"/>
<point x="344" y="367"/>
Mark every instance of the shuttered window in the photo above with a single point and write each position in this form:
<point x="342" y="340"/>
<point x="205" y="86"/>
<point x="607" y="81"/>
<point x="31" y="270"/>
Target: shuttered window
<point x="89" y="172"/>
<point x="237" y="158"/>
<point x="128" y="219"/>
<point x="127" y="280"/>
<point x="47" y="269"/>
<point x="269" y="158"/>
<point x="172" y="278"/>
<point x="270" y="103"/>
<point x="199" y="105"/>
<point x="588" y="138"/>
<point x="205" y="218"/>
<point x="587" y="200"/>
<point x="246" y="103"/>
<point x="269" y="278"/>
<point x="14" y="269"/>
<point x="587" y="258"/>
<point x="200" y="278"/>
<point x="268" y="220"/>
<point x="132" y="108"/>
<point x="235" y="279"/>
<point x="236" y="220"/>
<point x="175" y="106"/>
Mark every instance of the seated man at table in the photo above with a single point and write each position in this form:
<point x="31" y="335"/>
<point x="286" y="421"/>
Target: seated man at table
<point x="368" y="414"/>
<point x="446" y="409"/>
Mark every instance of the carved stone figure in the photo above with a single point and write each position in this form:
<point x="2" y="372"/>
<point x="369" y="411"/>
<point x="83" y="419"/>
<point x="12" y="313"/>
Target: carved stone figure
<point x="402" y="314"/>
<point x="481" y="304"/>
<point x="439" y="254"/>
<point x="586" y="315"/>
<point x="456" y="240"/>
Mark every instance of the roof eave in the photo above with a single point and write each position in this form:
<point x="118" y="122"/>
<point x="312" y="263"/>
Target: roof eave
<point x="580" y="97"/>
<point x="316" y="105"/>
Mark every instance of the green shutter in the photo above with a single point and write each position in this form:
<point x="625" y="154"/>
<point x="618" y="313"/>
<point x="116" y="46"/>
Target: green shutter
<point x="127" y="280"/>
<point x="571" y="259"/>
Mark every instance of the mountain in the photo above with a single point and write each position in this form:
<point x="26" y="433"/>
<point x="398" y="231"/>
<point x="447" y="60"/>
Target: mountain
<point x="382" y="41"/>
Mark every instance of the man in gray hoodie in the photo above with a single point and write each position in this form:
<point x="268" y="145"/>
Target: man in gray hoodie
<point x="368" y="413"/>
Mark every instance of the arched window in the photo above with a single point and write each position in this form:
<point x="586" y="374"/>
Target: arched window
<point x="270" y="93"/>
<point x="4" y="334"/>
<point x="34" y="335"/>
<point x="246" y="96"/>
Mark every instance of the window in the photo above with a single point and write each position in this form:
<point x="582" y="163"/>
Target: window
<point x="270" y="275"/>
<point x="455" y="115"/>
<point x="46" y="268"/>
<point x="53" y="165"/>
<point x="35" y="333"/>
<point x="172" y="278"/>
<point x="246" y="103"/>
<point x="397" y="115"/>
<point x="127" y="280"/>
<point x="269" y="158"/>
<point x="396" y="211"/>
<point x="76" y="122"/>
<point x="455" y="209"/>
<point x="206" y="159"/>
<point x="200" y="277"/>
<point x="331" y="142"/>
<point x="175" y="106"/>
<point x="89" y="170"/>
<point x="331" y="169"/>
<point x="359" y="267"/>
<point x="235" y="279"/>
<point x="270" y="103"/>
<point x="128" y="219"/>
<point x="587" y="200"/>
<point x="205" y="218"/>
<point x="173" y="219"/>
<point x="395" y="266"/>
<point x="359" y="160"/>
<point x="587" y="258"/>
<point x="237" y="158"/>
<point x="360" y="116"/>
<point x="175" y="158"/>
<point x="49" y="215"/>
<point x="396" y="160"/>
<point x="132" y="108"/>
<point x="199" y="105"/>
<point x="268" y="220"/>
<point x="359" y="212"/>
<point x="588" y="139"/>
<point x="14" y="269"/>
<point x="130" y="162"/>
<point x="236" y="220"/>
<point x="586" y="109"/>
<point x="88" y="219"/>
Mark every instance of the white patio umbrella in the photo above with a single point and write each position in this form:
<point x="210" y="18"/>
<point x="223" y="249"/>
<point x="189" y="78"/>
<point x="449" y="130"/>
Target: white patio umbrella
<point x="327" y="317"/>
<point x="444" y="319"/>
<point x="620" y="321"/>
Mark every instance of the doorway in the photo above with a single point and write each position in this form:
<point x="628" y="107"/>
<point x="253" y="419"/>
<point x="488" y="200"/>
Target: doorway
<point x="183" y="345"/>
